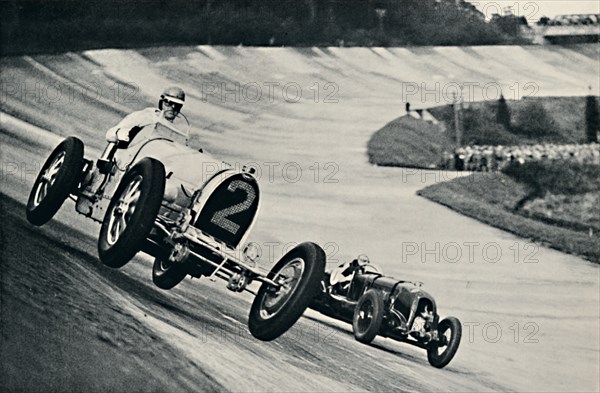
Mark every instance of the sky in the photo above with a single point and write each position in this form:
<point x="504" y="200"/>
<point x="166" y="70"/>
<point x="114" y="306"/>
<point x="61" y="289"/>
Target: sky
<point x="533" y="10"/>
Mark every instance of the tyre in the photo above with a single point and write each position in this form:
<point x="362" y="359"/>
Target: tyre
<point x="131" y="213"/>
<point x="167" y="274"/>
<point x="440" y="353"/>
<point x="274" y="311"/>
<point x="368" y="316"/>
<point x="58" y="177"/>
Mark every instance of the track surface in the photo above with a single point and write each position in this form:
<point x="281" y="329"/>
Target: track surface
<point x="69" y="322"/>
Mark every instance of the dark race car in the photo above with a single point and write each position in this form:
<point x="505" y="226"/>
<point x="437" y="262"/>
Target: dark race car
<point x="357" y="293"/>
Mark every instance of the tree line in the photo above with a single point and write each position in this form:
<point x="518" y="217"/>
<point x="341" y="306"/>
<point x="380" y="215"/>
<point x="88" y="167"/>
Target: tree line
<point x="55" y="26"/>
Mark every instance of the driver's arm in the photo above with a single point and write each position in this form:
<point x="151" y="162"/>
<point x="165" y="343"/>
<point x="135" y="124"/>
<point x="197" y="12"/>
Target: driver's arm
<point x="121" y="132"/>
<point x="113" y="135"/>
<point x="351" y="268"/>
<point x="349" y="271"/>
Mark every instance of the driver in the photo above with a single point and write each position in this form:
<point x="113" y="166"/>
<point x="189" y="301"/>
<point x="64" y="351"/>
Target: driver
<point x="169" y="105"/>
<point x="346" y="272"/>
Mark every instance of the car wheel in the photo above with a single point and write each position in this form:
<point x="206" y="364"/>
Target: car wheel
<point x="275" y="310"/>
<point x="167" y="274"/>
<point x="131" y="213"/>
<point x="57" y="179"/>
<point x="441" y="352"/>
<point x="368" y="316"/>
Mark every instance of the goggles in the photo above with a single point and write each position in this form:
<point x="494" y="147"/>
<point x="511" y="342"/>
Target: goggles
<point x="172" y="104"/>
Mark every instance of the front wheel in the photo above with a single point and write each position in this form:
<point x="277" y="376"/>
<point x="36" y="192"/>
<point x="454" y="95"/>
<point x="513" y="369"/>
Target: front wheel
<point x="57" y="179"/>
<point x="275" y="310"/>
<point x="131" y="213"/>
<point x="368" y="316"/>
<point x="441" y="352"/>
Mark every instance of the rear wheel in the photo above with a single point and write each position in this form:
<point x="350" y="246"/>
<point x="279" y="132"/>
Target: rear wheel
<point x="368" y="316"/>
<point x="58" y="177"/>
<point x="441" y="352"/>
<point x="168" y="271"/>
<point x="131" y="213"/>
<point x="275" y="310"/>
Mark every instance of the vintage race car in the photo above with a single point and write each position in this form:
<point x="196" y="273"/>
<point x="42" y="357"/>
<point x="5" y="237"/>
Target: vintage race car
<point x="188" y="210"/>
<point x="379" y="305"/>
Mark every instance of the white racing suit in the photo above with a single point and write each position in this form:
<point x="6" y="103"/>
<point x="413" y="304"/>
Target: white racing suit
<point x="131" y="124"/>
<point x="122" y="133"/>
<point x="129" y="131"/>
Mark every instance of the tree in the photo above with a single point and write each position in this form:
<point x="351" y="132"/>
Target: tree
<point x="479" y="128"/>
<point x="503" y="113"/>
<point x="544" y="21"/>
<point x="534" y="121"/>
<point x="592" y="119"/>
<point x="511" y="25"/>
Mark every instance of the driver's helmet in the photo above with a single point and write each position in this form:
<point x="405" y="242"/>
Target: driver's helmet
<point x="363" y="260"/>
<point x="172" y="94"/>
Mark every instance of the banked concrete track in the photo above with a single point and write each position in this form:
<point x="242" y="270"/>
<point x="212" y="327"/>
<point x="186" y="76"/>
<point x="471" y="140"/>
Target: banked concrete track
<point x="531" y="314"/>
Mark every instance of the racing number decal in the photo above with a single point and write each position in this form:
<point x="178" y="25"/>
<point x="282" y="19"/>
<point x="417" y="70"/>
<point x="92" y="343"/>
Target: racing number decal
<point x="220" y="216"/>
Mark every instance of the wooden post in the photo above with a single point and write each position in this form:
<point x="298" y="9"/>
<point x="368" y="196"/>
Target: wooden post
<point x="457" y="125"/>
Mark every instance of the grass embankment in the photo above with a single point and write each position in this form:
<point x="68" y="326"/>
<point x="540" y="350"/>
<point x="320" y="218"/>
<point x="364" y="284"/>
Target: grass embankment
<point x="409" y="142"/>
<point x="556" y="202"/>
<point x="565" y="217"/>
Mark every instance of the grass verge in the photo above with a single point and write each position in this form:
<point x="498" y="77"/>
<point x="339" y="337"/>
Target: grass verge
<point x="490" y="198"/>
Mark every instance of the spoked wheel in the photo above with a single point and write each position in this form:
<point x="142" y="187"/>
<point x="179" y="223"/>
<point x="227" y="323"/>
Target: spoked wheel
<point x="275" y="310"/>
<point x="131" y="213"/>
<point x="122" y="211"/>
<point x="57" y="179"/>
<point x="368" y="316"/>
<point x="440" y="353"/>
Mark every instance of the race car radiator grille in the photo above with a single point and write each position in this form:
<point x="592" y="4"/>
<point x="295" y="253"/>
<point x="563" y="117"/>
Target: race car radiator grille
<point x="230" y="210"/>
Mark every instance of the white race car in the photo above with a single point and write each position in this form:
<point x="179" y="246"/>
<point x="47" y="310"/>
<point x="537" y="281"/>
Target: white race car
<point x="154" y="194"/>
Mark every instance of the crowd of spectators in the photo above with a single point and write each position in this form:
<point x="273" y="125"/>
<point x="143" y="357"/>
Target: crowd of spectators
<point x="496" y="158"/>
<point x="572" y="20"/>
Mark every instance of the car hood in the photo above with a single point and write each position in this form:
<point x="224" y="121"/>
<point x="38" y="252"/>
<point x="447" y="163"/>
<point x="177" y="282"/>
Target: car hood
<point x="191" y="167"/>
